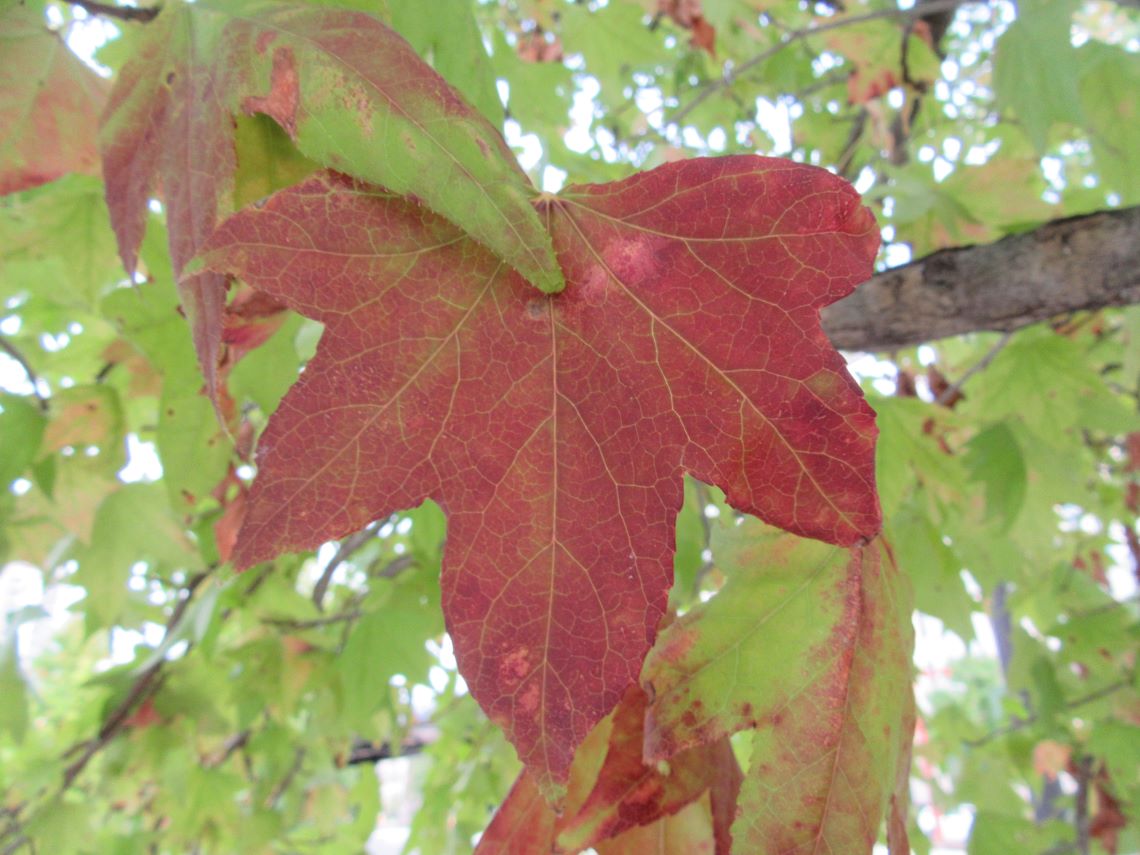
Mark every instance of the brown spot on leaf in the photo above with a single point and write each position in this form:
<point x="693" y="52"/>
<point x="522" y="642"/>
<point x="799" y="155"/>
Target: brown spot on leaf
<point x="284" y="92"/>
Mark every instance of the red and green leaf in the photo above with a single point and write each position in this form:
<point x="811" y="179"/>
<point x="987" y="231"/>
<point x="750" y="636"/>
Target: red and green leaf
<point x="809" y="645"/>
<point x="49" y="105"/>
<point x="555" y="430"/>
<point x="687" y="832"/>
<point x="350" y="93"/>
<point x="631" y="793"/>
<point x="612" y="791"/>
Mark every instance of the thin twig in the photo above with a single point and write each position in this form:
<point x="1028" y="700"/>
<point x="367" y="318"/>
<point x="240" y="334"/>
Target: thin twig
<point x="234" y="743"/>
<point x="1021" y="724"/>
<point x="703" y="502"/>
<point x="144" y="686"/>
<point x="284" y="784"/>
<point x="395" y="567"/>
<point x="314" y="623"/>
<point x="847" y="157"/>
<point x="368" y="752"/>
<point x="917" y="11"/>
<point x="1105" y="607"/>
<point x="348" y="547"/>
<point x="121" y="13"/>
<point x="141" y="689"/>
<point x="33" y="378"/>
<point x="954" y="388"/>
<point x="1081" y="819"/>
<point x="18" y="844"/>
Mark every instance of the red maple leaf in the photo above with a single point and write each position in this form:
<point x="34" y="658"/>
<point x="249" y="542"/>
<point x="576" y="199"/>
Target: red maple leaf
<point x="554" y="430"/>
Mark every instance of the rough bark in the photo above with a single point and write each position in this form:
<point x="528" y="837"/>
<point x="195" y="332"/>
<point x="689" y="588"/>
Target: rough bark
<point x="1074" y="264"/>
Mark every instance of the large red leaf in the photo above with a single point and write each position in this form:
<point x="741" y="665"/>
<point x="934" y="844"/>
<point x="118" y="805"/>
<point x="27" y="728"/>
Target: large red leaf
<point x="49" y="105"/>
<point x="555" y="430"/>
<point x="349" y="91"/>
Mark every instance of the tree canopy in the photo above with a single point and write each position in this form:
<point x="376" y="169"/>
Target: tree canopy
<point x="460" y="381"/>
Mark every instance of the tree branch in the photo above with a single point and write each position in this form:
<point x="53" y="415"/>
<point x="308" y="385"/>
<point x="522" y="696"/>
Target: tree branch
<point x="1075" y="264"/>
<point x="121" y="13"/>
<point x="917" y="11"/>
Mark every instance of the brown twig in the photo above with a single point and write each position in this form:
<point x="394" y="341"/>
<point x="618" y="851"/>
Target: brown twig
<point x="847" y="156"/>
<point x="235" y="743"/>
<point x="368" y="752"/>
<point x="140" y="690"/>
<point x="954" y="388"/>
<point x="143" y="687"/>
<point x="348" y="547"/>
<point x="916" y="11"/>
<point x="395" y="567"/>
<point x="287" y="781"/>
<point x="314" y="623"/>
<point x="20" y="360"/>
<point x="1021" y="724"/>
<point x="1081" y="819"/>
<point x="121" y="13"/>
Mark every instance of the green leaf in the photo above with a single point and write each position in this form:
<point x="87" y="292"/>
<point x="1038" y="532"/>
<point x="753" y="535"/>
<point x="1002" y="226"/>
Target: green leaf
<point x="614" y="40"/>
<point x="995" y="460"/>
<point x="1036" y="68"/>
<point x="998" y="834"/>
<point x="1119" y="744"/>
<point x="1046" y="381"/>
<point x="933" y="568"/>
<point x="267" y="160"/>
<point x="62" y="236"/>
<point x="89" y="421"/>
<point x="450" y="41"/>
<point x="382" y="644"/>
<point x="21" y="430"/>
<point x="265" y="375"/>
<point x="1109" y="83"/>
<point x="810" y="645"/>
<point x="62" y="825"/>
<point x="13" y="686"/>
<point x="132" y="525"/>
<point x="540" y="92"/>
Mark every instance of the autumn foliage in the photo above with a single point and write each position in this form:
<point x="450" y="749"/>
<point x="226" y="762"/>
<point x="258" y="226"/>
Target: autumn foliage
<point x="541" y="384"/>
<point x="552" y="429"/>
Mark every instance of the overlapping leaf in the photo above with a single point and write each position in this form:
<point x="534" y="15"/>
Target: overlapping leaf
<point x="349" y="91"/>
<point x="49" y="104"/>
<point x="555" y="430"/>
<point x="810" y="645"/>
<point x="614" y="791"/>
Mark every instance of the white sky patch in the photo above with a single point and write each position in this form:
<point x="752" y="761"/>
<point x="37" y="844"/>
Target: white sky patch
<point x="142" y="461"/>
<point x="553" y="179"/>
<point x="578" y="138"/>
<point x="527" y="146"/>
<point x="776" y="120"/>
